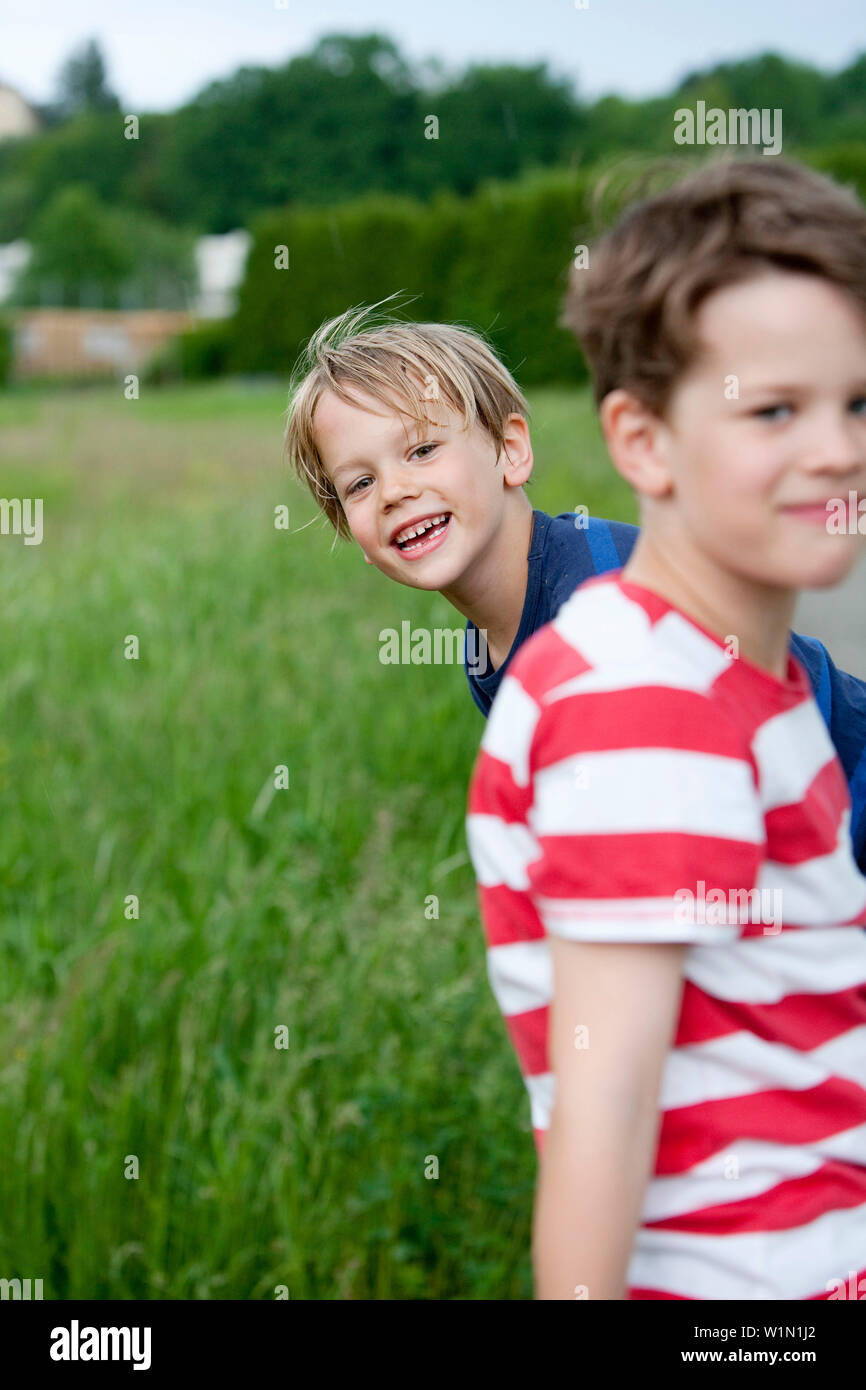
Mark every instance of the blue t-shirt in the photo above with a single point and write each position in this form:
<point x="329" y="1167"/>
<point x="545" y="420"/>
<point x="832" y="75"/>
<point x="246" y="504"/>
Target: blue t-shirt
<point x="562" y="555"/>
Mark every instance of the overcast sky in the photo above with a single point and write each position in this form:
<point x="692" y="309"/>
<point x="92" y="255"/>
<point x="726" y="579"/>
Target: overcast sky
<point x="160" y="52"/>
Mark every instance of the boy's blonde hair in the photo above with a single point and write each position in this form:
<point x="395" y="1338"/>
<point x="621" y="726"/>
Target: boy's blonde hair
<point x="410" y="367"/>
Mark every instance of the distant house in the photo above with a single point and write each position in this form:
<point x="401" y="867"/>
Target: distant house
<point x="81" y="342"/>
<point x="13" y="258"/>
<point x="17" y="117"/>
<point x="220" y="263"/>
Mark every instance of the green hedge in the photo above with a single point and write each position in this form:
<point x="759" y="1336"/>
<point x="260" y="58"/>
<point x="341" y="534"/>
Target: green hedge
<point x="357" y="251"/>
<point x="201" y="352"/>
<point x="497" y="261"/>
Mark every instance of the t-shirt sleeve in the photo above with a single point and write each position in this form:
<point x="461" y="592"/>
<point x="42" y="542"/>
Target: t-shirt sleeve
<point x="645" y="815"/>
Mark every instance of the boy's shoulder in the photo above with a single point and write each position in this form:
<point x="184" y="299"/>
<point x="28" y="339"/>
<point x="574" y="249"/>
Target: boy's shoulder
<point x="620" y="668"/>
<point x="612" y="635"/>
<point x="571" y="548"/>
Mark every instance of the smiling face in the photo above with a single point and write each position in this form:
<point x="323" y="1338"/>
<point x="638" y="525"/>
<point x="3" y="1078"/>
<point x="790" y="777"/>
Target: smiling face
<point x="744" y="479"/>
<point x="444" y="483"/>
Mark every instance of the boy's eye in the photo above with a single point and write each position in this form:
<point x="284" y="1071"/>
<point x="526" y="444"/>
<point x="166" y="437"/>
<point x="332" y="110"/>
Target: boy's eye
<point x="419" y="452"/>
<point x="356" y="485"/>
<point x="769" y="411"/>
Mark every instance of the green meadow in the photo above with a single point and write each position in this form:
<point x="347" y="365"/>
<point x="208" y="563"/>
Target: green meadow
<point x="154" y="1141"/>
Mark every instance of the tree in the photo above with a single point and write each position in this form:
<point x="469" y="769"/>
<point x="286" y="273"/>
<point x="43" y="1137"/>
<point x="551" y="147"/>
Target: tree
<point x="5" y="351"/>
<point x="328" y="124"/>
<point x="87" y="254"/>
<point x="78" y="253"/>
<point x="496" y="121"/>
<point x="83" y="85"/>
<point x="351" y="116"/>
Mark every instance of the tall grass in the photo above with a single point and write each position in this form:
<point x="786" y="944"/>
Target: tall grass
<point x="152" y="1040"/>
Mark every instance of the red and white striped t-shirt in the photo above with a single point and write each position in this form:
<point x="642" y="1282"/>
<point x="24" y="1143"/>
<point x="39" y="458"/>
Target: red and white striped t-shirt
<point x="637" y="783"/>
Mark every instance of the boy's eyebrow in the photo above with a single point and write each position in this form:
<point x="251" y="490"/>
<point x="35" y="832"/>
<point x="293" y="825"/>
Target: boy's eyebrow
<point x="350" y="464"/>
<point x="792" y="387"/>
<point x="778" y="387"/>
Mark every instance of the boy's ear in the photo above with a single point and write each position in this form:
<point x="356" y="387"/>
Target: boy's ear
<point x="516" y="452"/>
<point x="634" y="438"/>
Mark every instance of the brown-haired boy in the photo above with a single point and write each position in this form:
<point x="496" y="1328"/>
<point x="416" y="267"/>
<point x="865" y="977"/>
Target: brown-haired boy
<point x="658" y="821"/>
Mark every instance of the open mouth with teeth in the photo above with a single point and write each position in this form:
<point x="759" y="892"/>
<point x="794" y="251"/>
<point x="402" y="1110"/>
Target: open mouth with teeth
<point x="426" y="535"/>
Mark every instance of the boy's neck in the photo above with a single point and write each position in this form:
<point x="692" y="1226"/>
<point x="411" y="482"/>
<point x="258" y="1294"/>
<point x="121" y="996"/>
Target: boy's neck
<point x="492" y="593"/>
<point x="730" y="605"/>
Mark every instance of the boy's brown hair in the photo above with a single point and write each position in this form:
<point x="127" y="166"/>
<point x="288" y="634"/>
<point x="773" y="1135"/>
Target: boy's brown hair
<point x="407" y="366"/>
<point x="633" y="309"/>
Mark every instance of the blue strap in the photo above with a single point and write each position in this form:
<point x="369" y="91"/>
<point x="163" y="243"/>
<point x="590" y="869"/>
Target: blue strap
<point x="822" y="694"/>
<point x="858" y="798"/>
<point x="601" y="547"/>
<point x="857" y="780"/>
<point x="811" y="652"/>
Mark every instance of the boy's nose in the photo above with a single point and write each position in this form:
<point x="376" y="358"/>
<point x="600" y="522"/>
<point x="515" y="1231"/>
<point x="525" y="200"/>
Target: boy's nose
<point x="839" y="447"/>
<point x="398" y="483"/>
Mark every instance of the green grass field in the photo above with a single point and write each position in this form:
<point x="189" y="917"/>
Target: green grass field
<point x="154" y="1039"/>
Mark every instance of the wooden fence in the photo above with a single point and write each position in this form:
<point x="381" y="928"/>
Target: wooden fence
<point x="90" y="342"/>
